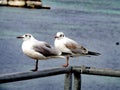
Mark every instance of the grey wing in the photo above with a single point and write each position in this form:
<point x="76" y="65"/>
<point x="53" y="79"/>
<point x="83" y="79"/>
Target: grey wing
<point x="76" y="49"/>
<point x="82" y="49"/>
<point x="45" y="49"/>
<point x="47" y="45"/>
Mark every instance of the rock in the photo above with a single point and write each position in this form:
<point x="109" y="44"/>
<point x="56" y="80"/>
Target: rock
<point x="23" y="3"/>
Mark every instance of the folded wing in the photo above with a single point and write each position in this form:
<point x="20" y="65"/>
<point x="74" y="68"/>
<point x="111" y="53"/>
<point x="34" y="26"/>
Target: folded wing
<point x="46" y="49"/>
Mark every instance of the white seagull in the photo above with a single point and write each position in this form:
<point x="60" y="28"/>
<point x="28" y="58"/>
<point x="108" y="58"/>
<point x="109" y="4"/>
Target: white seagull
<point x="70" y="48"/>
<point x="38" y="50"/>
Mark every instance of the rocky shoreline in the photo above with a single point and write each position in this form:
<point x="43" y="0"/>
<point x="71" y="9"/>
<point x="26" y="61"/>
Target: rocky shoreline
<point x="24" y="3"/>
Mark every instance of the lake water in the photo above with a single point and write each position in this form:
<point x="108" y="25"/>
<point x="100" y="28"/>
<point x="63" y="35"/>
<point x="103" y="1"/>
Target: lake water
<point x="92" y="23"/>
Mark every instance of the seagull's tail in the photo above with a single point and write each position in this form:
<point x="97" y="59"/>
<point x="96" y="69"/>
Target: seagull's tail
<point x="93" y="53"/>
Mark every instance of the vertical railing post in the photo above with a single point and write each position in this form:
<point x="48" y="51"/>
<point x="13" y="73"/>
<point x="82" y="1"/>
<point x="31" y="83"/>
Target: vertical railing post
<point x="68" y="80"/>
<point x="77" y="81"/>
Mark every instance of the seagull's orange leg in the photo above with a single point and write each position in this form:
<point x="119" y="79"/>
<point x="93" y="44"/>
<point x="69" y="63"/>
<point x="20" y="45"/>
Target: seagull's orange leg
<point x="36" y="66"/>
<point x="67" y="62"/>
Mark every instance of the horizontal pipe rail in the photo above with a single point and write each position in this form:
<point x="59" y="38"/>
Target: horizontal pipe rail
<point x="31" y="75"/>
<point x="5" y="78"/>
<point x="96" y="71"/>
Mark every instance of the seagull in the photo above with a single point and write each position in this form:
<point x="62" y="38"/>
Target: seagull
<point x="38" y="50"/>
<point x="70" y="48"/>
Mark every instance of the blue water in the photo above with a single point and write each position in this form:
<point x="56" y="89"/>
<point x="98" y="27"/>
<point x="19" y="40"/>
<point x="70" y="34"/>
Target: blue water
<point x="92" y="23"/>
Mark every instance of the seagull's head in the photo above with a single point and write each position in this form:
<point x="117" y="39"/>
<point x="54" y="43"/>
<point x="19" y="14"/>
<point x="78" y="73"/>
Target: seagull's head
<point x="59" y="35"/>
<point x="25" y="37"/>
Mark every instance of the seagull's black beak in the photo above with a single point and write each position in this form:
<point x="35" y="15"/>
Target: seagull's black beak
<point x="56" y="37"/>
<point x="20" y="37"/>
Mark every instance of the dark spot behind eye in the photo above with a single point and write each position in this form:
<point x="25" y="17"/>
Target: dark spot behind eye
<point x="25" y="35"/>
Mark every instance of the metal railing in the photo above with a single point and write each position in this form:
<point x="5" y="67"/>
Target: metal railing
<point x="75" y="71"/>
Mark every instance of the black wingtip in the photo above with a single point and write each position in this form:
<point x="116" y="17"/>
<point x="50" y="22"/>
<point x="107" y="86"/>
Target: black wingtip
<point x="93" y="53"/>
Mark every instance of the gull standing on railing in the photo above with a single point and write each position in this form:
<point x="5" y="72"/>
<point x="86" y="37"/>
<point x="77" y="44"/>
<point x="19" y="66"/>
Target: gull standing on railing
<point x="38" y="50"/>
<point x="70" y="47"/>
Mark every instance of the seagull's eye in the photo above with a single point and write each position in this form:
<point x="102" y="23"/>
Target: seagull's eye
<point x="61" y="35"/>
<point x="26" y="35"/>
